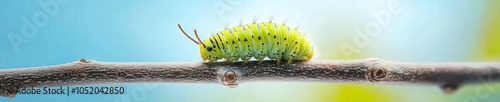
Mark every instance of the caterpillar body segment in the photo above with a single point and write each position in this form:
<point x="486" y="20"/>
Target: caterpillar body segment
<point x="255" y="40"/>
<point x="230" y="52"/>
<point x="259" y="48"/>
<point x="272" y="41"/>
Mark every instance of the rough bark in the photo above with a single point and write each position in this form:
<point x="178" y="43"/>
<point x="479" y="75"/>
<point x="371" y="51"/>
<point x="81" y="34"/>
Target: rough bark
<point x="449" y="76"/>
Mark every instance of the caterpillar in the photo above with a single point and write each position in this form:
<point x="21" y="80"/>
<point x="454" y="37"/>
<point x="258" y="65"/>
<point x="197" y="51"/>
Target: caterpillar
<point x="258" y="40"/>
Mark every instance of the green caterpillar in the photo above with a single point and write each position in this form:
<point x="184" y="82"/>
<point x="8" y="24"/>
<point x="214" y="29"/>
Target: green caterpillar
<point x="258" y="40"/>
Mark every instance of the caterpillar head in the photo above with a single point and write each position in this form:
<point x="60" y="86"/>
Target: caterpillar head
<point x="206" y="49"/>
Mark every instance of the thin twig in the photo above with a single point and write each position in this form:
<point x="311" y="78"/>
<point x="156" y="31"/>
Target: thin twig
<point x="449" y="76"/>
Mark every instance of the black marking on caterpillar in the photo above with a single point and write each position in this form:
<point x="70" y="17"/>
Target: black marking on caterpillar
<point x="274" y="41"/>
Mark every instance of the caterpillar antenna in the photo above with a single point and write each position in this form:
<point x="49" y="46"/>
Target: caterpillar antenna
<point x="197" y="37"/>
<point x="179" y="25"/>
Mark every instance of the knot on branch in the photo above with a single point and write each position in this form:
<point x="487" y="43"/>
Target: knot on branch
<point x="228" y="77"/>
<point x="377" y="71"/>
<point x="82" y="60"/>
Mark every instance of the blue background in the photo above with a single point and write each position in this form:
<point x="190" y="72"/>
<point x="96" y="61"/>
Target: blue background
<point x="146" y="31"/>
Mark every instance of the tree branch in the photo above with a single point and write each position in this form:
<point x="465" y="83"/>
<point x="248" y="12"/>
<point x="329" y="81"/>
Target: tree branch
<point x="449" y="76"/>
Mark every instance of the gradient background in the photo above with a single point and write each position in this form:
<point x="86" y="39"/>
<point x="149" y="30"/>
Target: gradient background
<point x="425" y="31"/>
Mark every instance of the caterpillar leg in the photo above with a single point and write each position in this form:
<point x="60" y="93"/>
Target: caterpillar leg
<point x="211" y="61"/>
<point x="288" y="62"/>
<point x="278" y="59"/>
<point x="227" y="61"/>
<point x="260" y="61"/>
<point x="288" y="57"/>
<point x="245" y="61"/>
